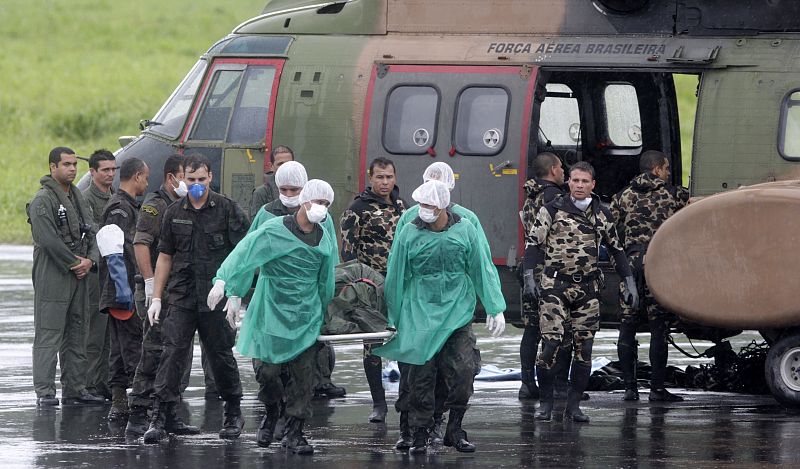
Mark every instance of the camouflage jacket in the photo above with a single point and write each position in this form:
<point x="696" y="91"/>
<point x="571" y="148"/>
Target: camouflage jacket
<point x="643" y="206"/>
<point x="570" y="238"/>
<point x="368" y="228"/>
<point x="538" y="192"/>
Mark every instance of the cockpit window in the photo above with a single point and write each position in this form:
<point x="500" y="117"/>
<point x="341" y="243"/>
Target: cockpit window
<point x="216" y="111"/>
<point x="170" y="118"/>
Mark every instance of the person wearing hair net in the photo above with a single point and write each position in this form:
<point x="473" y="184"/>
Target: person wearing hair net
<point x="296" y="255"/>
<point x="436" y="270"/>
<point x="439" y="171"/>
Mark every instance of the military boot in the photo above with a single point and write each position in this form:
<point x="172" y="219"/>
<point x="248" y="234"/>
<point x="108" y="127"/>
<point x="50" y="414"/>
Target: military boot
<point x="406" y="438"/>
<point x="234" y="421"/>
<point x="374" y="372"/>
<point x="455" y="436"/>
<point x="560" y="373"/>
<point x="627" y="347"/>
<point x="658" y="361"/>
<point x="528" y="389"/>
<point x="158" y="421"/>
<point x="437" y="430"/>
<point x="293" y="439"/>
<point x="119" y="404"/>
<point x="545" y="410"/>
<point x="137" y="422"/>
<point x="420" y="443"/>
<point x="266" y="430"/>
<point x="579" y="380"/>
<point x="174" y="424"/>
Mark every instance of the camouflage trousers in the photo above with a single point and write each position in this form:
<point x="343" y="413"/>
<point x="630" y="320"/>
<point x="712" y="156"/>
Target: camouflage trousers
<point x="324" y="363"/>
<point x="455" y="364"/>
<point x="648" y="303"/>
<point x="568" y="306"/>
<point x="292" y="382"/>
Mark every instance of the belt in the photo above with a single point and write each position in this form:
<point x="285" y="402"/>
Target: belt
<point x="577" y="277"/>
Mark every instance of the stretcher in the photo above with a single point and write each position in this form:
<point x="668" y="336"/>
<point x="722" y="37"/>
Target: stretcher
<point x="365" y="337"/>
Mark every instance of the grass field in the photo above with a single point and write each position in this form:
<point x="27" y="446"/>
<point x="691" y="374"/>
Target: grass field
<point x="81" y="73"/>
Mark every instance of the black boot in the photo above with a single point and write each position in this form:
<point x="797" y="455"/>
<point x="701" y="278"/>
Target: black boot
<point x="658" y="362"/>
<point x="119" y="404"/>
<point x="406" y="440"/>
<point x="436" y="432"/>
<point x="420" y="443"/>
<point x="527" y="358"/>
<point x="455" y="435"/>
<point x="175" y="425"/>
<point x="234" y="421"/>
<point x="293" y="439"/>
<point x="579" y="380"/>
<point x="528" y="389"/>
<point x="266" y="431"/>
<point x="560" y="373"/>
<point x="158" y="421"/>
<point x="137" y="422"/>
<point x="374" y="372"/>
<point x="627" y="351"/>
<point x="545" y="378"/>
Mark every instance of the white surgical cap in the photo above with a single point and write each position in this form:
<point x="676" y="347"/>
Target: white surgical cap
<point x="291" y="174"/>
<point x="440" y="171"/>
<point x="433" y="193"/>
<point x="316" y="189"/>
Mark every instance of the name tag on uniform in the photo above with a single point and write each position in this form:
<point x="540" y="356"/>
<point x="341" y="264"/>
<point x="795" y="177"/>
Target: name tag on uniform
<point x="182" y="222"/>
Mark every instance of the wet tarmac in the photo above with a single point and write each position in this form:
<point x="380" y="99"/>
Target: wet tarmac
<point x="706" y="430"/>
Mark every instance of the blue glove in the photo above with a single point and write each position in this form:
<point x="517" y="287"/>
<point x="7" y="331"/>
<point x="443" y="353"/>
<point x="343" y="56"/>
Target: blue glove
<point x="119" y="274"/>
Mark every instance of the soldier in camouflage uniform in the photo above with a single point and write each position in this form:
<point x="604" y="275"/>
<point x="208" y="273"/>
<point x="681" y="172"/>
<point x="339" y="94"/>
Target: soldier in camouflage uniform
<point x="639" y="210"/>
<point x="545" y="186"/>
<point x="567" y="234"/>
<point x="368" y="227"/>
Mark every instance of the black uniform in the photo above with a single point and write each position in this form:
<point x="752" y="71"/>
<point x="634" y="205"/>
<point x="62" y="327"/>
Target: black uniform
<point x="126" y="336"/>
<point x="198" y="241"/>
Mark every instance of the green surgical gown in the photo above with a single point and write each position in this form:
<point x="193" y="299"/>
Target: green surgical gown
<point x="411" y="213"/>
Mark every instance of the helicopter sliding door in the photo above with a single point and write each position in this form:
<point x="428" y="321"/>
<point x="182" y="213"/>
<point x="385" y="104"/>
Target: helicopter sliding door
<point x="474" y="118"/>
<point x="231" y="123"/>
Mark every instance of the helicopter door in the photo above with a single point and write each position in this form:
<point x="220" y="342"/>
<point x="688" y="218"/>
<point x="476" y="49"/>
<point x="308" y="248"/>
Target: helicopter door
<point x="474" y="118"/>
<point x="231" y="123"/>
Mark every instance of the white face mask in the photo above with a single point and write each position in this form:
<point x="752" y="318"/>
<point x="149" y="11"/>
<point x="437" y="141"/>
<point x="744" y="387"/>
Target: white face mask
<point x="290" y="202"/>
<point x="316" y="213"/>
<point x="181" y="190"/>
<point x="427" y="215"/>
<point x="582" y="204"/>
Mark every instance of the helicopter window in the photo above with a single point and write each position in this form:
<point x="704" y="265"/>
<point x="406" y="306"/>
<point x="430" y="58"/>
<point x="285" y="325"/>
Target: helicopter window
<point x="623" y="122"/>
<point x="560" y="120"/>
<point x="173" y="114"/>
<point x="249" y="122"/>
<point x="409" y="123"/>
<point x="480" y="124"/>
<point x="789" y="138"/>
<point x="216" y="111"/>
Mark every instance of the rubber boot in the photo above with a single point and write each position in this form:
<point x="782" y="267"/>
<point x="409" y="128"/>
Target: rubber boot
<point x="546" y="398"/>
<point x="527" y="357"/>
<point x="455" y="436"/>
<point x="579" y="381"/>
<point x="406" y="438"/>
<point x="374" y="372"/>
<point x="560" y="373"/>
<point x="281" y="425"/>
<point x="137" y="422"/>
<point x="119" y="404"/>
<point x="420" y="443"/>
<point x="266" y="430"/>
<point x="627" y="351"/>
<point x="234" y="421"/>
<point x="158" y="422"/>
<point x="658" y="361"/>
<point x="436" y="432"/>
<point x="528" y="389"/>
<point x="293" y="439"/>
<point x="175" y="424"/>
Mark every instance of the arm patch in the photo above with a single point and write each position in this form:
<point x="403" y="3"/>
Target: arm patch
<point x="150" y="210"/>
<point x="118" y="211"/>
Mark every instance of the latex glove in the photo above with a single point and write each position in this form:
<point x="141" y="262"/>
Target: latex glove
<point x="496" y="324"/>
<point x="531" y="286"/>
<point x="231" y="309"/>
<point x="216" y="294"/>
<point x="154" y="311"/>
<point x="149" y="287"/>
<point x="630" y="293"/>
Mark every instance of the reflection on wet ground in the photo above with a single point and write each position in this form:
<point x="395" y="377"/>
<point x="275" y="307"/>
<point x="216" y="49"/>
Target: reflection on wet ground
<point x="707" y="430"/>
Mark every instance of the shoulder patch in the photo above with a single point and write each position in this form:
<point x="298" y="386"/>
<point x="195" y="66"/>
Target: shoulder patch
<point x="119" y="211"/>
<point x="150" y="210"/>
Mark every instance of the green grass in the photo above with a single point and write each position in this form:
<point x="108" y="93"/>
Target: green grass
<point x="81" y="73"/>
<point x="685" y="86"/>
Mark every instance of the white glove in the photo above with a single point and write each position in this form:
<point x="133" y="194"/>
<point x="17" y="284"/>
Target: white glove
<point x="496" y="324"/>
<point x="149" y="286"/>
<point x="231" y="309"/>
<point x="216" y="294"/>
<point x="154" y="311"/>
